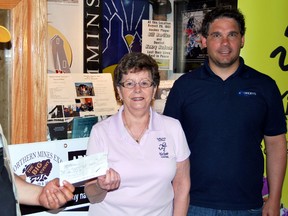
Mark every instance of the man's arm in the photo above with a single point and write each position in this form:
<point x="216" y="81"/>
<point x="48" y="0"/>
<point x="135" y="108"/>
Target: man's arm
<point x="52" y="196"/>
<point x="276" y="161"/>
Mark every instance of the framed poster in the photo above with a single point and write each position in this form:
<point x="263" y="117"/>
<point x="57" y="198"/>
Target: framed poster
<point x="188" y="17"/>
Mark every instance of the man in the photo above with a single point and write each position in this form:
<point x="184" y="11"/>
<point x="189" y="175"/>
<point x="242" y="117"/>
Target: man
<point x="226" y="109"/>
<point x="13" y="189"/>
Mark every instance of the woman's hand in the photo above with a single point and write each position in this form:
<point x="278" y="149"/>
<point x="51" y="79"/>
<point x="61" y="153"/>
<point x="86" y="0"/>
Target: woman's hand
<point x="97" y="189"/>
<point x="110" y="181"/>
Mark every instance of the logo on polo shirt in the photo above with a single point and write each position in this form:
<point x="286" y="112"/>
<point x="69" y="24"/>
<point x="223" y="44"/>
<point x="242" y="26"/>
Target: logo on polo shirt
<point x="247" y="93"/>
<point x="162" y="148"/>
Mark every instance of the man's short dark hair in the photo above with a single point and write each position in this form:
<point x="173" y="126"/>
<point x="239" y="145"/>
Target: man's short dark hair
<point x="222" y="12"/>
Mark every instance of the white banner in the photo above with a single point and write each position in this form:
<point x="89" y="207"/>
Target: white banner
<point x="38" y="163"/>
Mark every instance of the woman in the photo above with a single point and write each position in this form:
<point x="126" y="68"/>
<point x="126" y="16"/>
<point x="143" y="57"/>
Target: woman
<point x="146" y="150"/>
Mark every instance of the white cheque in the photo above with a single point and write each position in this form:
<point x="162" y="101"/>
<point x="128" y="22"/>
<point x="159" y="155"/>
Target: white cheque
<point x="85" y="168"/>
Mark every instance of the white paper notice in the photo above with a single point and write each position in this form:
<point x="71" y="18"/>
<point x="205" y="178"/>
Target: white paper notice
<point x="85" y="168"/>
<point x="157" y="41"/>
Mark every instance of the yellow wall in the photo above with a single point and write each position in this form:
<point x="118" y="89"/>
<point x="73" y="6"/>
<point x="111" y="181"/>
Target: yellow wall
<point x="266" y="23"/>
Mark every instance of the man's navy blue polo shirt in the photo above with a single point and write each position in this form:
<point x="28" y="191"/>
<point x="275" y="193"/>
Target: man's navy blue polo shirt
<point x="224" y="123"/>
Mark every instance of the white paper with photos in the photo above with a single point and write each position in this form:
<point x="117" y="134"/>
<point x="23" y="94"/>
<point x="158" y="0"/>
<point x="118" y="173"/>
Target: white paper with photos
<point x="105" y="100"/>
<point x="88" y="94"/>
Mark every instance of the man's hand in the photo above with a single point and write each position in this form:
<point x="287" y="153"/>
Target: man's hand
<point x="53" y="196"/>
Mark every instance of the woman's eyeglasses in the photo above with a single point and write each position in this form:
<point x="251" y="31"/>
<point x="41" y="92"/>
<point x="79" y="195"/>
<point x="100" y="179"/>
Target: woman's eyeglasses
<point x="145" y="83"/>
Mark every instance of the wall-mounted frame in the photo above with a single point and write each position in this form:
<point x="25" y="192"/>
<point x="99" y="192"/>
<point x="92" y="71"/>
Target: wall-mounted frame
<point x="188" y="16"/>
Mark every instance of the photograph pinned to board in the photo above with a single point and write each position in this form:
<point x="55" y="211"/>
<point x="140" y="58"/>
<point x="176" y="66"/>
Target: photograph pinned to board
<point x="162" y="94"/>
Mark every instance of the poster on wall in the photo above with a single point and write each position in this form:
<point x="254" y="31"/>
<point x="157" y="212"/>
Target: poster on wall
<point x="65" y="36"/>
<point x="188" y="16"/>
<point x="92" y="28"/>
<point x="93" y="35"/>
<point x="38" y="163"/>
<point x="191" y="27"/>
<point x="121" y="29"/>
<point x="157" y="41"/>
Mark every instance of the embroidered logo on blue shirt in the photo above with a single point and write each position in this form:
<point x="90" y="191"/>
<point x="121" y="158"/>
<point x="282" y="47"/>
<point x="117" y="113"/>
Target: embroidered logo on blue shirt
<point x="162" y="148"/>
<point x="247" y="93"/>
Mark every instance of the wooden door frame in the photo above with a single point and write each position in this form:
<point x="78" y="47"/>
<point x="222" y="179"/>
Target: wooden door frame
<point x="28" y="92"/>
